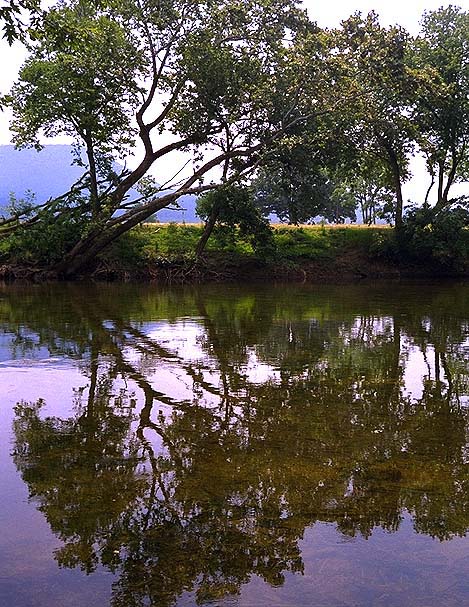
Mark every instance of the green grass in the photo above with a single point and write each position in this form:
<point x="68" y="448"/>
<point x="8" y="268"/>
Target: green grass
<point x="151" y="242"/>
<point x="150" y="247"/>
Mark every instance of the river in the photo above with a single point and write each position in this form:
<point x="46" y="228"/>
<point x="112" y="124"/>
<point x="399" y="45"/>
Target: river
<point x="234" y="445"/>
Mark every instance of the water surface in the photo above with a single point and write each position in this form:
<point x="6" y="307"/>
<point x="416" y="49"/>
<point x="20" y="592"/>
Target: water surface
<point x="234" y="446"/>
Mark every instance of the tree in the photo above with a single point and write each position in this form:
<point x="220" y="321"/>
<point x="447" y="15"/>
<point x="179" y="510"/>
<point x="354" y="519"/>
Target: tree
<point x="82" y="81"/>
<point x="375" y="200"/>
<point x="440" y="58"/>
<point x="215" y="75"/>
<point x="298" y="191"/>
<point x="292" y="183"/>
<point x="233" y="207"/>
<point x="367" y="180"/>
<point x="378" y="123"/>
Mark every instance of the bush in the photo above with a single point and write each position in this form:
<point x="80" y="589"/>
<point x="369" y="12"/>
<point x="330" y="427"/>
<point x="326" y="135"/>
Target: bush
<point x="440" y="239"/>
<point x="239" y="221"/>
<point x="384" y="246"/>
<point x="46" y="242"/>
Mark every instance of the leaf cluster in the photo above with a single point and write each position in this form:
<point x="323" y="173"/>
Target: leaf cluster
<point x="80" y="80"/>
<point x="11" y="17"/>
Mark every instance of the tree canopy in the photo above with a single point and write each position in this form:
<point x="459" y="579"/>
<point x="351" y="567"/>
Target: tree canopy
<point x="440" y="56"/>
<point x="318" y="121"/>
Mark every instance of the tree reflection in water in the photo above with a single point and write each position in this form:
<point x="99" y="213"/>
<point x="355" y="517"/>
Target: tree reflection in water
<point x="200" y="492"/>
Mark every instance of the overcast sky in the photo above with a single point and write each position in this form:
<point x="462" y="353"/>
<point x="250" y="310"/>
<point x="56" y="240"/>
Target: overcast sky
<point x="404" y="12"/>
<point x="327" y="14"/>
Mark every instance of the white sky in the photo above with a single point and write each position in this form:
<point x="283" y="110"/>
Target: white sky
<point x="403" y="12"/>
<point x="327" y="14"/>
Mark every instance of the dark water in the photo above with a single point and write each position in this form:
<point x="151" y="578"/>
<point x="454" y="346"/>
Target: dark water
<point x="234" y="446"/>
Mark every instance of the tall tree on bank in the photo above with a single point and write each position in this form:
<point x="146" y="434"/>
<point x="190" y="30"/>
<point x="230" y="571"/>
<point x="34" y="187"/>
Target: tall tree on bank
<point x="440" y="58"/>
<point x="378" y="124"/>
<point x="216" y="84"/>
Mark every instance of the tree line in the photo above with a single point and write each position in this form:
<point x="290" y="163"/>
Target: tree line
<point x="275" y="115"/>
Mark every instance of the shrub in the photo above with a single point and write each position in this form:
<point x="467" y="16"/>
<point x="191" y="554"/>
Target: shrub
<point x="45" y="242"/>
<point x="239" y="221"/>
<point x="439" y="238"/>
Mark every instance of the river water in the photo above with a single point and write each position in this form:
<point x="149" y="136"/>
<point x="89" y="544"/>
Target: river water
<point x="242" y="446"/>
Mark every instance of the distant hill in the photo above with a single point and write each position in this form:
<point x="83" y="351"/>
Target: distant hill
<point x="49" y="173"/>
<point x="185" y="214"/>
<point x="46" y="173"/>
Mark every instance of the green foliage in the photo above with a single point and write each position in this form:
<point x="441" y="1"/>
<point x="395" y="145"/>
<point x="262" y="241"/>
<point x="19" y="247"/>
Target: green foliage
<point x="148" y="244"/>
<point x="384" y="246"/>
<point x="439" y="57"/>
<point x="176" y="240"/>
<point x="442" y="243"/>
<point x="47" y="241"/>
<point x="80" y="80"/>
<point x="377" y="129"/>
<point x="296" y="188"/>
<point x="328" y="119"/>
<point x="21" y="206"/>
<point x="441" y="240"/>
<point x="208" y="75"/>
<point x="303" y="243"/>
<point x="368" y="181"/>
<point x="11" y="22"/>
<point x="237" y="216"/>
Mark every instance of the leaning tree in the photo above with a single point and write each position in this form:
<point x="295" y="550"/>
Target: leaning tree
<point x="219" y="81"/>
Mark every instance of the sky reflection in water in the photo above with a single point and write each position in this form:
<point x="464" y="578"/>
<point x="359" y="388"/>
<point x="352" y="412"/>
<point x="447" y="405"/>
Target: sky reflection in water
<point x="231" y="445"/>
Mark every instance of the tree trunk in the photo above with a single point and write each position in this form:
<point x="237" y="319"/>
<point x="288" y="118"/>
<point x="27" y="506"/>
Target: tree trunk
<point x="94" y="196"/>
<point x="443" y="189"/>
<point x="396" y="174"/>
<point x="86" y="249"/>
<point x="441" y="177"/>
<point x="397" y="185"/>
<point x="393" y="162"/>
<point x="208" y="229"/>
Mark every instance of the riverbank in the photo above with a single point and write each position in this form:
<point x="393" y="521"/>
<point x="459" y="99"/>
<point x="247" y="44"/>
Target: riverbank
<point x="164" y="254"/>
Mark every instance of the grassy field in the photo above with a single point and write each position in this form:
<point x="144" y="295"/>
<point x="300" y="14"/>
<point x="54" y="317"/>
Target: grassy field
<point x="285" y="226"/>
<point x="156" y="240"/>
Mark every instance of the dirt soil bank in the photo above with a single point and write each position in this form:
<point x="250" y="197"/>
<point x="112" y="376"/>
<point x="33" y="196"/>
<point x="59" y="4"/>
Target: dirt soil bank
<point x="351" y="266"/>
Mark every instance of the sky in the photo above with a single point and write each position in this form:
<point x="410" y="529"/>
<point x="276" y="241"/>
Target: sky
<point x="403" y="12"/>
<point x="326" y="13"/>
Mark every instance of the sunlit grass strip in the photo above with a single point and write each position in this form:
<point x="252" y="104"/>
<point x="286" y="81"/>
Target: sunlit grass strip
<point x="284" y="226"/>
